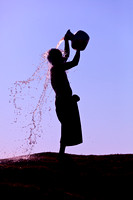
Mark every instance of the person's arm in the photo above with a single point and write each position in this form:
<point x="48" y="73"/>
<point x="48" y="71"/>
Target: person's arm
<point x="74" y="62"/>
<point x="66" y="48"/>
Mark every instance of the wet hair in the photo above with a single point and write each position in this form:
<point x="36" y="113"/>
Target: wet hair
<point x="54" y="56"/>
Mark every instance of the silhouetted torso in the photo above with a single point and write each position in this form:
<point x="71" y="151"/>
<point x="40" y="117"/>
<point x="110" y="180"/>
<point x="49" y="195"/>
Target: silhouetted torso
<point x="60" y="82"/>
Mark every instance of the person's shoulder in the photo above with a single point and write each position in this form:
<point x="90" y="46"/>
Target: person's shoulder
<point x="59" y="68"/>
<point x="53" y="69"/>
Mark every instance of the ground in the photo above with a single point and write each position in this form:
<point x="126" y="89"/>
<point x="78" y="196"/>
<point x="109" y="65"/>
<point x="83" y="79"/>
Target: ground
<point x="76" y="177"/>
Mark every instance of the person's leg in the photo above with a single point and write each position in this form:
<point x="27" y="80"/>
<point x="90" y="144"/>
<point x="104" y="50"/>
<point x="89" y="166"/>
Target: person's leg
<point x="62" y="149"/>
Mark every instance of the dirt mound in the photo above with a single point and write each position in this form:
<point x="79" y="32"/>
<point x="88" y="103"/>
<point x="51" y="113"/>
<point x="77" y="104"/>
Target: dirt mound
<point x="45" y="176"/>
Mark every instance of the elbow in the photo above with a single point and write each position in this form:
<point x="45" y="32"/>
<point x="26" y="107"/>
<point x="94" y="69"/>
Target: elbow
<point x="75" y="63"/>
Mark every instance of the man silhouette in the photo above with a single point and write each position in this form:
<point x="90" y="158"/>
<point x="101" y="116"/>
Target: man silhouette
<point x="66" y="102"/>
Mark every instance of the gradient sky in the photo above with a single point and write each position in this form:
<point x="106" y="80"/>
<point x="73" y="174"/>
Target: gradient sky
<point x="103" y="78"/>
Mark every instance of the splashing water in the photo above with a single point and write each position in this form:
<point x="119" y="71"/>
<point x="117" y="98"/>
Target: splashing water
<point x="29" y="97"/>
<point x="59" y="43"/>
<point x="28" y="103"/>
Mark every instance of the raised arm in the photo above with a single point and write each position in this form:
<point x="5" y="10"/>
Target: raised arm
<point x="66" y="48"/>
<point x="74" y="62"/>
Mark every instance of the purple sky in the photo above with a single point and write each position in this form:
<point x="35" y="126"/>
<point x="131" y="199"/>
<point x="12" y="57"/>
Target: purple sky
<point x="103" y="78"/>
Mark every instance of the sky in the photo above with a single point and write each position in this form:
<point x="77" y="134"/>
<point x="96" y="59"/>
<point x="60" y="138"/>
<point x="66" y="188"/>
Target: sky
<point x="103" y="78"/>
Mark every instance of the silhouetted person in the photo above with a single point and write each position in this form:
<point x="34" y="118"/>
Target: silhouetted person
<point x="66" y="103"/>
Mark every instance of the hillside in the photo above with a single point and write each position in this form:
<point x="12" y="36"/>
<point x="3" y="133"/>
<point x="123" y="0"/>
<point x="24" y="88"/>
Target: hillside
<point x="44" y="176"/>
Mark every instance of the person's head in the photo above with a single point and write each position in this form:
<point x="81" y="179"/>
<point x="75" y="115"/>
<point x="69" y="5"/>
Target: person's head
<point x="55" y="56"/>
